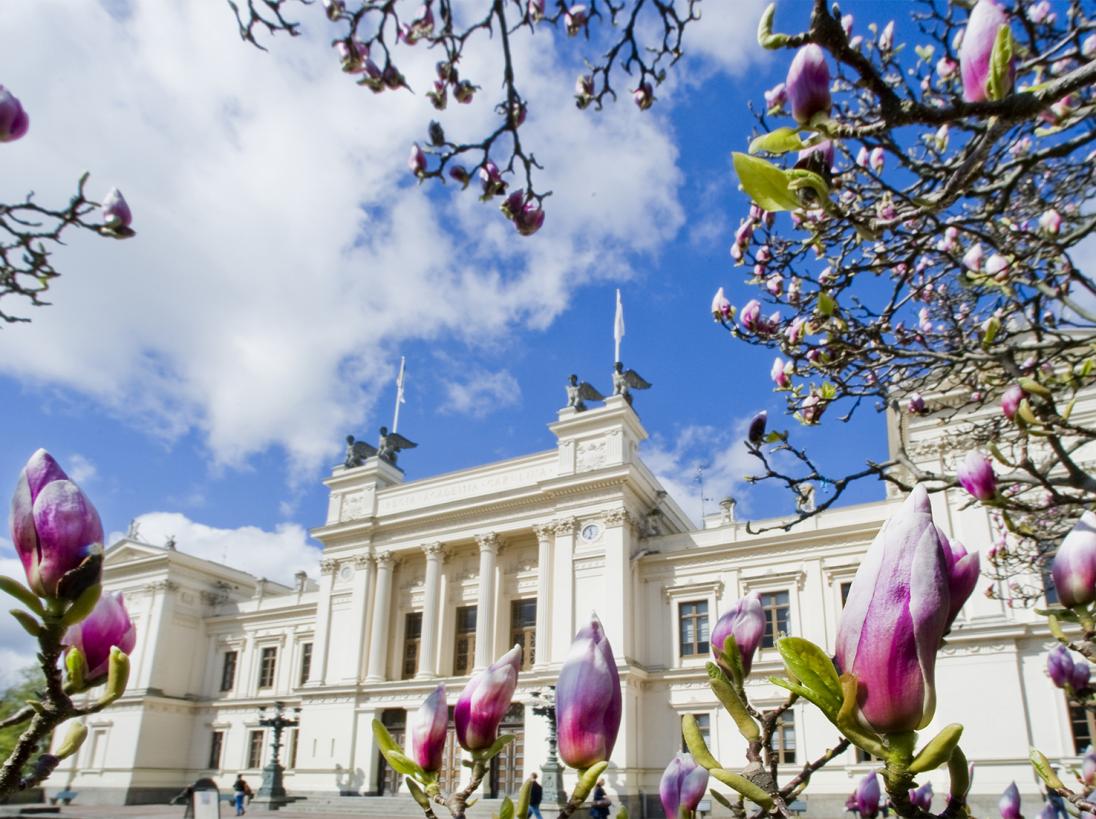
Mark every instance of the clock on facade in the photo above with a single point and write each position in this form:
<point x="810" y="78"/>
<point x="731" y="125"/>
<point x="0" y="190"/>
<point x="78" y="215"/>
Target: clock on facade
<point x="591" y="532"/>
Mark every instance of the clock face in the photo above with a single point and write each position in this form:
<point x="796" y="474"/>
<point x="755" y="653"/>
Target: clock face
<point x="591" y="532"/>
<point x="345" y="573"/>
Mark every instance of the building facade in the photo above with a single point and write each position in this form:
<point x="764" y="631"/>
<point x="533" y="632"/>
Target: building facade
<point x="428" y="581"/>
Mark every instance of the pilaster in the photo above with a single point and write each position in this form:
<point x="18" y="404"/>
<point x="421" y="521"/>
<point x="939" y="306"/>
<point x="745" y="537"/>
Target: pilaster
<point x="382" y="605"/>
<point x="431" y="609"/>
<point x="485" y="613"/>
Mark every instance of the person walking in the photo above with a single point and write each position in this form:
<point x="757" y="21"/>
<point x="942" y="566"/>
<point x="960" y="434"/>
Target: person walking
<point x="241" y="789"/>
<point x="599" y="805"/>
<point x="536" y="792"/>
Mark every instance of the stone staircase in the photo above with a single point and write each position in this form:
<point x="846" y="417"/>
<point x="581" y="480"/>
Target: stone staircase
<point x="380" y="806"/>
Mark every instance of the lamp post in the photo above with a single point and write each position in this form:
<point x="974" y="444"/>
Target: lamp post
<point x="551" y="771"/>
<point x="272" y="791"/>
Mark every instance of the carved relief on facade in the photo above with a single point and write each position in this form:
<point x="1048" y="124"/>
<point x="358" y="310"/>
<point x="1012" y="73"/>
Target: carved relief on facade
<point x="355" y="505"/>
<point x="591" y="455"/>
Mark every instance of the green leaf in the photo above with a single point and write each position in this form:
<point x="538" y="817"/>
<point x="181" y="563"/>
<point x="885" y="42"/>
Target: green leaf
<point x="22" y="594"/>
<point x="694" y="740"/>
<point x="27" y="621"/>
<point x="765" y="36"/>
<point x="754" y="793"/>
<point x="72" y="742"/>
<point x="732" y="664"/>
<point x="925" y="52"/>
<point x="780" y="141"/>
<point x="723" y="800"/>
<point x="83" y="605"/>
<point x="1044" y="770"/>
<point x="401" y="762"/>
<point x="809" y="664"/>
<point x="522" y="809"/>
<point x="729" y="696"/>
<point x="938" y="750"/>
<point x="76" y="665"/>
<point x="800" y="179"/>
<point x="384" y="739"/>
<point x="488" y="754"/>
<point x="826" y="304"/>
<point x="417" y="794"/>
<point x="506" y="811"/>
<point x="999" y="81"/>
<point x="117" y="676"/>
<point x="586" y="781"/>
<point x="959" y="773"/>
<point x="1034" y="387"/>
<point x="764" y="183"/>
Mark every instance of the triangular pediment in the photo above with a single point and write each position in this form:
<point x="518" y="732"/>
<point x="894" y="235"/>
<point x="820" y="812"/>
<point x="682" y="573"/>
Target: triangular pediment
<point x="128" y="551"/>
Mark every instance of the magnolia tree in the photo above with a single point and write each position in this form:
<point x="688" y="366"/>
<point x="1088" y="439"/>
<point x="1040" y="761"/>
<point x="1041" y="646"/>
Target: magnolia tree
<point x="635" y="42"/>
<point x="84" y="637"/>
<point x="30" y="232"/>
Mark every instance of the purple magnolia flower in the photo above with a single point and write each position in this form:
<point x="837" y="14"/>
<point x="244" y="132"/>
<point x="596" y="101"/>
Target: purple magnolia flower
<point x="416" y="162"/>
<point x="721" y="306"/>
<point x="922" y="797"/>
<point x="867" y="796"/>
<point x="756" y="431"/>
<point x="1088" y="768"/>
<point x="750" y="315"/>
<point x="107" y="626"/>
<point x="682" y="786"/>
<point x="743" y="622"/>
<point x="916" y="404"/>
<point x="808" y="83"/>
<point x="1010" y="400"/>
<point x="974" y="54"/>
<point x="1060" y="666"/>
<point x="56" y="530"/>
<point x="644" y="96"/>
<point x="1082" y="673"/>
<point x="895" y="618"/>
<point x="776" y="96"/>
<point x="588" y="702"/>
<point x="115" y="210"/>
<point x="527" y="216"/>
<point x="1074" y="566"/>
<point x="428" y="729"/>
<point x="976" y="475"/>
<point x="575" y="19"/>
<point x="821" y="154"/>
<point x="492" y="180"/>
<point x="1009" y="804"/>
<point x="14" y="121"/>
<point x="484" y="701"/>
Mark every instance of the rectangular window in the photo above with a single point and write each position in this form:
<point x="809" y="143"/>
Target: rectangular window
<point x="306" y="662"/>
<point x="291" y="752"/>
<point x="464" y="647"/>
<point x="523" y="629"/>
<point x="704" y="723"/>
<point x="692" y="619"/>
<point x="1050" y="591"/>
<point x="784" y="738"/>
<point x="228" y="671"/>
<point x="412" y="636"/>
<point x="216" y="745"/>
<point x="775" y="606"/>
<point x="1083" y="723"/>
<point x="255" y="749"/>
<point x="846" y="587"/>
<point x="98" y="748"/>
<point x="268" y="662"/>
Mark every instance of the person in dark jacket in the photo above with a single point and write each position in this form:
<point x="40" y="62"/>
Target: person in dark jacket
<point x="599" y="804"/>
<point x="242" y="789"/>
<point x="536" y="793"/>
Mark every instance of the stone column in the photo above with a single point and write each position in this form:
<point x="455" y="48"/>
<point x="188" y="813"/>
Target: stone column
<point x="485" y="609"/>
<point x="382" y="604"/>
<point x="318" y="672"/>
<point x="359" y="605"/>
<point x="428" y="643"/>
<point x="545" y="533"/>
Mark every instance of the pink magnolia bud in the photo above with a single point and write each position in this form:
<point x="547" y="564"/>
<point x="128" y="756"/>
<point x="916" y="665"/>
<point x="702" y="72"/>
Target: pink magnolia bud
<point x="491" y="177"/>
<point x="352" y="54"/>
<point x="750" y="315"/>
<point x="574" y="20"/>
<point x="974" y="54"/>
<point x="116" y="213"/>
<point x="794" y="332"/>
<point x="867" y="796"/>
<point x="846" y="24"/>
<point x="1009" y="803"/>
<point x="886" y="37"/>
<point x="108" y="626"/>
<point x="755" y="433"/>
<point x="1060" y="666"/>
<point x="527" y="215"/>
<point x="922" y="797"/>
<point x="1088" y="768"/>
<point x="428" y="729"/>
<point x="1088" y="46"/>
<point x="485" y="700"/>
<point x="775" y="97"/>
<point x="975" y="474"/>
<point x="1037" y="12"/>
<point x="945" y="68"/>
<point x="972" y="259"/>
<point x="682" y="786"/>
<point x="416" y="162"/>
<point x="878" y="158"/>
<point x="721" y="306"/>
<point x="459" y="174"/>
<point x="779" y="374"/>
<point x="55" y="530"/>
<point x="863" y="156"/>
<point x="1051" y="222"/>
<point x="333" y="9"/>
<point x="1010" y="400"/>
<point x="743" y="622"/>
<point x="812" y="408"/>
<point x="644" y="96"/>
<point x="588" y="699"/>
<point x="464" y="92"/>
<point x="14" y="121"/>
<point x="1074" y="567"/>
<point x="808" y="83"/>
<point x="536" y="10"/>
<point x="916" y="404"/>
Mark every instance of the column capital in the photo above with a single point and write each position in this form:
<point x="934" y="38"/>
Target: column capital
<point x="363" y="560"/>
<point x="384" y="559"/>
<point x="566" y="526"/>
<point x="544" y="531"/>
<point x="618" y="517"/>
<point x="488" y="542"/>
<point x="435" y="549"/>
<point x="329" y="566"/>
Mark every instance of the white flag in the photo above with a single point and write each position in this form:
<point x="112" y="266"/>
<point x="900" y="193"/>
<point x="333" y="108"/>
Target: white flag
<point x="618" y="324"/>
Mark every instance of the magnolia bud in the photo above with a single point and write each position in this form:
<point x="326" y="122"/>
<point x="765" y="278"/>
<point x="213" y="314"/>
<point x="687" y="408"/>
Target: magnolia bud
<point x="14" y="121"/>
<point x="1074" y="566"/>
<point x="808" y="84"/>
<point x="588" y="699"/>
<point x="974" y="54"/>
<point x="975" y="474"/>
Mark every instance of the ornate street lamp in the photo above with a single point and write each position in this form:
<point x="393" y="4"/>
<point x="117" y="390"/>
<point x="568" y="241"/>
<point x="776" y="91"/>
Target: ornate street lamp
<point x="272" y="791"/>
<point x="551" y="771"/>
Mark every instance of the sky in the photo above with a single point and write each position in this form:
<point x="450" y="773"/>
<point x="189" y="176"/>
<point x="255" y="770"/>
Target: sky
<point x="201" y="377"/>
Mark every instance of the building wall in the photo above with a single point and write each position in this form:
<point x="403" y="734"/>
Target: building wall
<point x="582" y="528"/>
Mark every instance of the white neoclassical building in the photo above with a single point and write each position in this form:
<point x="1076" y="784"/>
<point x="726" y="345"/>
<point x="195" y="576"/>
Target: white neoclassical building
<point x="429" y="580"/>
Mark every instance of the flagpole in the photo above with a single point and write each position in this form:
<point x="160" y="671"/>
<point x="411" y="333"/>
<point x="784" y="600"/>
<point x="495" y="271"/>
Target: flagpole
<point x="618" y="327"/>
<point x="399" y="397"/>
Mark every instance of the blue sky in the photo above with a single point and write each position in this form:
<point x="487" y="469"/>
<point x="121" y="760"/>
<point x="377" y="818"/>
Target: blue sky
<point x="202" y="376"/>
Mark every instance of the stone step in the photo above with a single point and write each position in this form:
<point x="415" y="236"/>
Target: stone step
<point x="383" y="806"/>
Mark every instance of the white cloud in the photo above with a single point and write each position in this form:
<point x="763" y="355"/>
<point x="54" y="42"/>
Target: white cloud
<point x="479" y="392"/>
<point x="282" y="252"/>
<point x="720" y="453"/>
<point x="80" y="469"/>
<point x="17" y="648"/>
<point x="275" y="555"/>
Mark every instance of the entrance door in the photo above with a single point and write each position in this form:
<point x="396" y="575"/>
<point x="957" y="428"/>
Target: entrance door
<point x="451" y="769"/>
<point x="388" y="779"/>
<point x="508" y="767"/>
